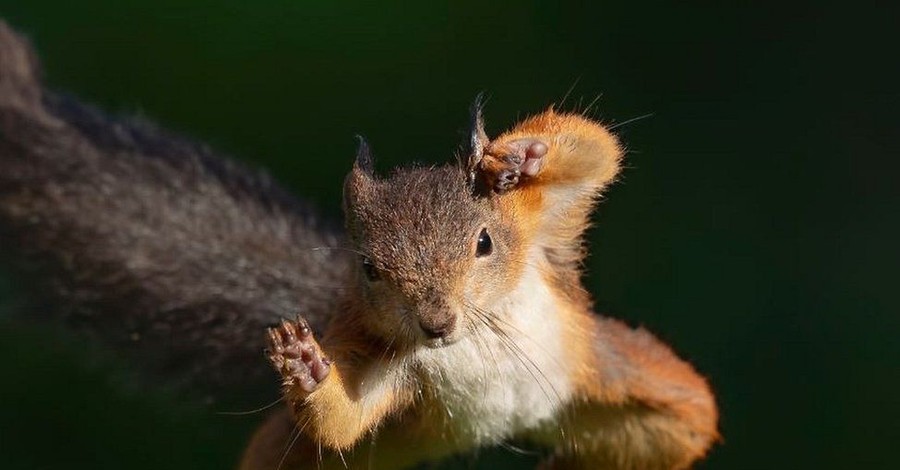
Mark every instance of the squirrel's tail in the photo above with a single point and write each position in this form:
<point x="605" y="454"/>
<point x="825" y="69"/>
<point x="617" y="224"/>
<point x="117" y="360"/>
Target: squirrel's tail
<point x="151" y="240"/>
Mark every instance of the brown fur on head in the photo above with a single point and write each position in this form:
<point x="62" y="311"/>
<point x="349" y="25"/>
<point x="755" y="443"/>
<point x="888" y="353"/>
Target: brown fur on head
<point x="417" y="230"/>
<point x="418" y="234"/>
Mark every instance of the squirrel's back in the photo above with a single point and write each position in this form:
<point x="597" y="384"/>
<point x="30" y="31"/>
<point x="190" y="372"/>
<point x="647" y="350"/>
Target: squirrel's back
<point x="150" y="240"/>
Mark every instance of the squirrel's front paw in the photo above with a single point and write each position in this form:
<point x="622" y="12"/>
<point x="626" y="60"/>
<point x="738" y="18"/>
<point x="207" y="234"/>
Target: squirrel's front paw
<point x="504" y="165"/>
<point x="296" y="355"/>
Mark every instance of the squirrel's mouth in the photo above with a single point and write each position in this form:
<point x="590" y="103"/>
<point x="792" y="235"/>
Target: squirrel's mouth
<point x="435" y="338"/>
<point x="437" y="343"/>
<point x="438" y="327"/>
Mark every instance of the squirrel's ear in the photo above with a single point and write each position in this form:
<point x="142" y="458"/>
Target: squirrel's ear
<point x="363" y="163"/>
<point x="476" y="141"/>
<point x="361" y="176"/>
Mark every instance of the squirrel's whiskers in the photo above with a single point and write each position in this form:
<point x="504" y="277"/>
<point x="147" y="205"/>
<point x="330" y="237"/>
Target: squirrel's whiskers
<point x="448" y="315"/>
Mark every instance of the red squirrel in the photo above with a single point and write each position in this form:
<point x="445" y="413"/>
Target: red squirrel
<point x="461" y="321"/>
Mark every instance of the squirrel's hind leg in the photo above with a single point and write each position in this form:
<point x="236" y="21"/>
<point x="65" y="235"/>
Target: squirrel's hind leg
<point x="641" y="407"/>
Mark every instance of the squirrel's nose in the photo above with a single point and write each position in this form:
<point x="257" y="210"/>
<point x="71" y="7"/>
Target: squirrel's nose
<point x="438" y="329"/>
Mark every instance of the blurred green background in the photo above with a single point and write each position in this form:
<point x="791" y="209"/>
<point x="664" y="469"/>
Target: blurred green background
<point x="756" y="228"/>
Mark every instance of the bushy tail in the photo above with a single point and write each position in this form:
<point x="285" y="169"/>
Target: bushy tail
<point x="152" y="241"/>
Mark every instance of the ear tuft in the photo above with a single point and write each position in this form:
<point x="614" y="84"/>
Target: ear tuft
<point x="364" y="162"/>
<point x="476" y="140"/>
<point x="20" y="74"/>
<point x="359" y="180"/>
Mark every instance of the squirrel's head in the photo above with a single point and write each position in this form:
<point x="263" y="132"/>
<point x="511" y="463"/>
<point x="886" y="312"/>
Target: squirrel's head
<point x="443" y="249"/>
<point x="434" y="252"/>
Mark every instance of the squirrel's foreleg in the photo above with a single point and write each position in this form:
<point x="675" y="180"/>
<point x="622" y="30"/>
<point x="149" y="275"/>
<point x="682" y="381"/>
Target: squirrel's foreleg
<point x="549" y="171"/>
<point x="336" y="398"/>
<point x="556" y="163"/>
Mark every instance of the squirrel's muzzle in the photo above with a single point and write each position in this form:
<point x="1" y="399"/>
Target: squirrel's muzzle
<point x="436" y="330"/>
<point x="436" y="318"/>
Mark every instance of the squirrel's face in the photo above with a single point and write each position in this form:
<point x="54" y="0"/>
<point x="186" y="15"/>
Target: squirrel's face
<point x="434" y="257"/>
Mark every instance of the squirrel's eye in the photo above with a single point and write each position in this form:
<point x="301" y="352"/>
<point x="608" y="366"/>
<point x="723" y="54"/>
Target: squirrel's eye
<point x="485" y="245"/>
<point x="370" y="270"/>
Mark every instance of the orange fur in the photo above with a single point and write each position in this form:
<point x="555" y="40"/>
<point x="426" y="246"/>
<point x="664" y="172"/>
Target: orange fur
<point x="632" y="404"/>
<point x="639" y="405"/>
<point x="342" y="410"/>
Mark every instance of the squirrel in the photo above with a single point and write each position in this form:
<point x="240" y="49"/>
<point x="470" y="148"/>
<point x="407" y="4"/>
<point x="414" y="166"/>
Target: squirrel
<point x="460" y="322"/>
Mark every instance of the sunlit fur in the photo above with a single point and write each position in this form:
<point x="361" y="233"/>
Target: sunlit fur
<point x="526" y="358"/>
<point x="152" y="240"/>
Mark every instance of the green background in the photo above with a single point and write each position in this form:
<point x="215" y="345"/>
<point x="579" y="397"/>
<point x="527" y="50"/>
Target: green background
<point x="756" y="228"/>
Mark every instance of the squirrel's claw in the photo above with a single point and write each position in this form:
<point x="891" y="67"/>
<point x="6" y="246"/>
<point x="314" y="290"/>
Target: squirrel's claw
<point x="505" y="165"/>
<point x="296" y="355"/>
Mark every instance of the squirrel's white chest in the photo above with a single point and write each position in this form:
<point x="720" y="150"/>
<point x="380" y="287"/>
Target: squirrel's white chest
<point x="494" y="385"/>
